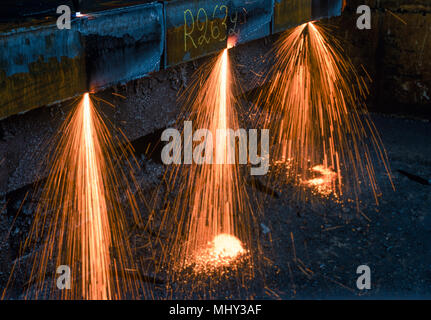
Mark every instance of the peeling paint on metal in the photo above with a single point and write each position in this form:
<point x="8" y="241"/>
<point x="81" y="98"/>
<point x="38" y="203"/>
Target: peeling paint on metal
<point x="291" y="13"/>
<point x="129" y="40"/>
<point x="198" y="28"/>
<point x="20" y="49"/>
<point x="41" y="64"/>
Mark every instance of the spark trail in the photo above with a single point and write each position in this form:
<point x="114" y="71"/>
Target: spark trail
<point x="213" y="215"/>
<point x="79" y="216"/>
<point x="314" y="117"/>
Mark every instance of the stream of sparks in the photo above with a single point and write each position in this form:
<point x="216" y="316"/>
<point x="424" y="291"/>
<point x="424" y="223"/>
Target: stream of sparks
<point x="313" y="113"/>
<point x="212" y="195"/>
<point x="216" y="185"/>
<point x="86" y="218"/>
<point x="95" y="231"/>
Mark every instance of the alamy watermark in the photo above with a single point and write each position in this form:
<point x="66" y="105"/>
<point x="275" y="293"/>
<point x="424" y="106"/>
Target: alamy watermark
<point x="364" y="20"/>
<point x="63" y="21"/>
<point x="63" y="281"/>
<point x="364" y="280"/>
<point x="201" y="147"/>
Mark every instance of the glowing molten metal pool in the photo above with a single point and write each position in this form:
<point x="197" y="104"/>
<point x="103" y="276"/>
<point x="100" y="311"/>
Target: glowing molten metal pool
<point x="224" y="250"/>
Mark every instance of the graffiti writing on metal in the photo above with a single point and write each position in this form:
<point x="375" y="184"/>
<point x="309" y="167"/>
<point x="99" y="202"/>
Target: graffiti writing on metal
<point x="200" y="27"/>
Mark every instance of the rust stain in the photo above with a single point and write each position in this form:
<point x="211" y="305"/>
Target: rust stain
<point x="182" y="48"/>
<point x="46" y="82"/>
<point x="289" y="13"/>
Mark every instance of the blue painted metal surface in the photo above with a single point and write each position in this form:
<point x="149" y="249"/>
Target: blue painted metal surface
<point x="254" y="19"/>
<point x="196" y="28"/>
<point x="21" y="10"/>
<point x="326" y="8"/>
<point x="123" y="44"/>
<point x="41" y="64"/>
<point x="335" y="8"/>
<point x="23" y="47"/>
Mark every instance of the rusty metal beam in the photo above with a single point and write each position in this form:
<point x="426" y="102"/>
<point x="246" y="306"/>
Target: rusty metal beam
<point x="122" y="44"/>
<point x="200" y="27"/>
<point x="291" y="13"/>
<point x="41" y="65"/>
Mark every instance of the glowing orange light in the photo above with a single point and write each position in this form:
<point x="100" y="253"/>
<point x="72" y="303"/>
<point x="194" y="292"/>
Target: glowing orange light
<point x="222" y="251"/>
<point x="211" y="198"/>
<point x="83" y="15"/>
<point x="227" y="246"/>
<point x="87" y="218"/>
<point x="324" y="185"/>
<point x="316" y="110"/>
<point x="231" y="41"/>
<point x="212" y="207"/>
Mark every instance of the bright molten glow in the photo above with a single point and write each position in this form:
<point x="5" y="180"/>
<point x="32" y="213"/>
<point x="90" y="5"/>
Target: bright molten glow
<point x="313" y="112"/>
<point x="231" y="41"/>
<point x="325" y="184"/>
<point x="95" y="231"/>
<point x="222" y="251"/>
<point x="227" y="246"/>
<point x="85" y="217"/>
<point x="211" y="198"/>
<point x="213" y="186"/>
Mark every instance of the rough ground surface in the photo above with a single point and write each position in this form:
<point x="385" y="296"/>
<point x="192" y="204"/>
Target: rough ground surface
<point x="333" y="240"/>
<point x="314" y="246"/>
